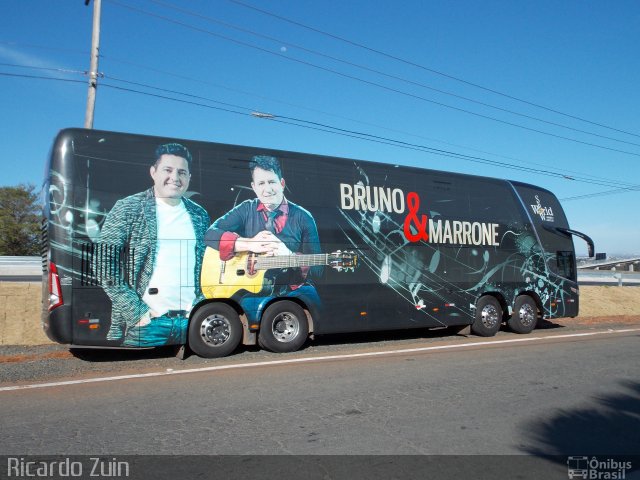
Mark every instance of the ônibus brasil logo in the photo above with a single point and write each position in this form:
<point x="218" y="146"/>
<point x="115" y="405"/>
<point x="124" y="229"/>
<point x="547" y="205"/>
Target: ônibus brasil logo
<point x="595" y="468"/>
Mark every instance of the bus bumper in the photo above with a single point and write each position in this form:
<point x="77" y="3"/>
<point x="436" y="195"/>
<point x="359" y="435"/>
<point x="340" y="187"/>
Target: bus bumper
<point x="57" y="324"/>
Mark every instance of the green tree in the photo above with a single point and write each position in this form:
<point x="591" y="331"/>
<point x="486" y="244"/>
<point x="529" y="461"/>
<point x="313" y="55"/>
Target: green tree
<point x="19" y="220"/>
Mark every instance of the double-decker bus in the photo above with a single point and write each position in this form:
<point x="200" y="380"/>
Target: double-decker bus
<point x="154" y="241"/>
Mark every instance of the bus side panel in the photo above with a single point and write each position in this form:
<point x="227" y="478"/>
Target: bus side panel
<point x="429" y="244"/>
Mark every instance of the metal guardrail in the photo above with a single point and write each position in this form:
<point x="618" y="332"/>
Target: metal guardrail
<point x="621" y="264"/>
<point x="7" y="259"/>
<point x="607" y="277"/>
<point x="20" y="266"/>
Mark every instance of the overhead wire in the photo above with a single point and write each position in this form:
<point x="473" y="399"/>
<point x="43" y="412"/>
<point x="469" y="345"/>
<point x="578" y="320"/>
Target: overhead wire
<point x="49" y="69"/>
<point x="617" y="190"/>
<point x="422" y="67"/>
<point x="368" y="82"/>
<point x="315" y="110"/>
<point x="199" y="80"/>
<point x="238" y="110"/>
<point x="601" y="194"/>
<point x="39" y="77"/>
<point x="379" y="72"/>
<point x="369" y="137"/>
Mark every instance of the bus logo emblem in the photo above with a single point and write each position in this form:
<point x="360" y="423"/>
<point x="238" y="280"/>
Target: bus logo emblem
<point x="545" y="213"/>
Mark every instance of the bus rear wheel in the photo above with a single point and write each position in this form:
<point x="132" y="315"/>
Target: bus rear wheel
<point x="284" y="327"/>
<point x="488" y="317"/>
<point x="525" y="315"/>
<point x="215" y="331"/>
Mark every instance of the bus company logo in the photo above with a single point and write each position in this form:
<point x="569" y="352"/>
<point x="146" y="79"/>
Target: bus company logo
<point x="595" y="469"/>
<point x="545" y="213"/>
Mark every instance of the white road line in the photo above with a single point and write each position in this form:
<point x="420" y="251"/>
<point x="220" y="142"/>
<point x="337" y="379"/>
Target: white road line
<point x="311" y="359"/>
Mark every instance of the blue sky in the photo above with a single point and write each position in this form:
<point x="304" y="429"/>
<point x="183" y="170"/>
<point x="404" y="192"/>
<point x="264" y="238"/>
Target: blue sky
<point x="499" y="62"/>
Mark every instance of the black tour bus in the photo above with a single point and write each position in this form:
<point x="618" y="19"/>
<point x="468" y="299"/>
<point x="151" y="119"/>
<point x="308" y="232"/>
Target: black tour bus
<point x="152" y="241"/>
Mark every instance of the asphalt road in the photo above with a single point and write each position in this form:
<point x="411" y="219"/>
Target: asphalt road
<point x="555" y="395"/>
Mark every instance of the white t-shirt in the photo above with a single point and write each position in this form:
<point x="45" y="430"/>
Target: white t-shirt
<point x="175" y="260"/>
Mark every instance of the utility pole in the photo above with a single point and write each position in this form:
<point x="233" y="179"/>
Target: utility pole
<point x="93" y="69"/>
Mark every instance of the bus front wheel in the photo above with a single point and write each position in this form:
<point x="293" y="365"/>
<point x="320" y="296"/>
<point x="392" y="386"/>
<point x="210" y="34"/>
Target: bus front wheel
<point x="488" y="317"/>
<point x="215" y="331"/>
<point x="284" y="327"/>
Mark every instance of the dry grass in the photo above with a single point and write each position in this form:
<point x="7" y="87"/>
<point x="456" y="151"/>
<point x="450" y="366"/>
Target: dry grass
<point x="609" y="301"/>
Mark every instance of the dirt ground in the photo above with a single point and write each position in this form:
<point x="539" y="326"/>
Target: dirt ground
<point x="609" y="301"/>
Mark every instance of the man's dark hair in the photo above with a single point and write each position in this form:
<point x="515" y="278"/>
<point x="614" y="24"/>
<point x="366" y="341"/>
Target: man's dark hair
<point x="173" y="149"/>
<point x="265" y="162"/>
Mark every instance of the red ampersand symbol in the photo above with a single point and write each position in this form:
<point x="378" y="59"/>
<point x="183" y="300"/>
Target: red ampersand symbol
<point x="420" y="224"/>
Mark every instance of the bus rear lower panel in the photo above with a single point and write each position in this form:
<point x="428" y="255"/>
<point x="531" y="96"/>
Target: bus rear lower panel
<point x="57" y="324"/>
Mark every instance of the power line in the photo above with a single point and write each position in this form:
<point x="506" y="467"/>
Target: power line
<point x="368" y="82"/>
<point x="385" y="74"/>
<point x="199" y="80"/>
<point x="422" y="67"/>
<point x="360" y="135"/>
<point x="350" y="133"/>
<point x="166" y="90"/>
<point x="38" y="77"/>
<point x="600" y="194"/>
<point x="370" y="124"/>
<point x="396" y="142"/>
<point x="49" y="69"/>
<point x="164" y="97"/>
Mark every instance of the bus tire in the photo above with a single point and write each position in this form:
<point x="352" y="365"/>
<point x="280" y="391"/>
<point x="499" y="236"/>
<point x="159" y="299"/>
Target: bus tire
<point x="284" y="327"/>
<point x="524" y="316"/>
<point x="215" y="330"/>
<point x="488" y="317"/>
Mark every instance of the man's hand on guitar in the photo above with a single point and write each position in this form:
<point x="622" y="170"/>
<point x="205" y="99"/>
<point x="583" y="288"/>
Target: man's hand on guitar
<point x="264" y="242"/>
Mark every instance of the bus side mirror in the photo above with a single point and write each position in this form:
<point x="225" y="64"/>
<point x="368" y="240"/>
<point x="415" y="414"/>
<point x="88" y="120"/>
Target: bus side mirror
<point x="586" y="238"/>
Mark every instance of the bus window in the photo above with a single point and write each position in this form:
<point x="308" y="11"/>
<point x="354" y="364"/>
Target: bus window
<point x="565" y="263"/>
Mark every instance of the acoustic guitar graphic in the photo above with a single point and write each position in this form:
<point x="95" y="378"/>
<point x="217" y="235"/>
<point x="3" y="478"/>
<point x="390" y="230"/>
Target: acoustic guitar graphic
<point x="246" y="271"/>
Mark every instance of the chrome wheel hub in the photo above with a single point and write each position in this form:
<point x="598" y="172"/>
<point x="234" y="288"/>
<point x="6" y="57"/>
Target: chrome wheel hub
<point x="490" y="316"/>
<point x="527" y="315"/>
<point x="215" y="330"/>
<point x="285" y="327"/>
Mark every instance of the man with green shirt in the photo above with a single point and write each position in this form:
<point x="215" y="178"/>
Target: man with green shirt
<point x="159" y="236"/>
